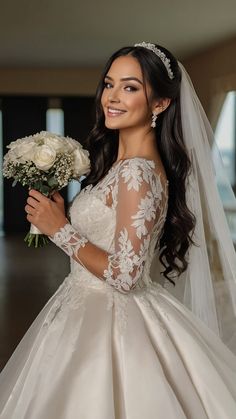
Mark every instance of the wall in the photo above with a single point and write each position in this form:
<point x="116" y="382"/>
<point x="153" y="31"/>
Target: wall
<point x="49" y="81"/>
<point x="213" y="73"/>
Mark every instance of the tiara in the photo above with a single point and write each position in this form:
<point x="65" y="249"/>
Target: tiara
<point x="160" y="54"/>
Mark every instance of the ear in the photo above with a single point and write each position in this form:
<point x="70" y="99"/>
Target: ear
<point x="161" y="105"/>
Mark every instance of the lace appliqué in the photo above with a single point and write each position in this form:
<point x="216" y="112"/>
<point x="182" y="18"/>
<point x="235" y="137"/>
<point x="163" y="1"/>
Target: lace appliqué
<point x="69" y="296"/>
<point x="146" y="212"/>
<point x="149" y="298"/>
<point x="119" y="302"/>
<point x="143" y="186"/>
<point x="124" y="260"/>
<point x="136" y="224"/>
<point x="68" y="239"/>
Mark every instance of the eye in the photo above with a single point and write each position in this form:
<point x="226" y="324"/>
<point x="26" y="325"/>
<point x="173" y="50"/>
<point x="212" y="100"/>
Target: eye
<point x="131" y="88"/>
<point x="107" y="85"/>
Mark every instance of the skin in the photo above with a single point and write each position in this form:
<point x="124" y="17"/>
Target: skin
<point x="46" y="214"/>
<point x="136" y="137"/>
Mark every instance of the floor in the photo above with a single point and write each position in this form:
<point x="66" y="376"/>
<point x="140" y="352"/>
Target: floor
<point x="28" y="278"/>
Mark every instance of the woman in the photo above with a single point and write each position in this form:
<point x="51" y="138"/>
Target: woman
<point x="110" y="343"/>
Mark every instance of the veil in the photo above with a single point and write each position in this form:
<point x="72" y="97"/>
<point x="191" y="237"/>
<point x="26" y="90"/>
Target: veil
<point x="208" y="286"/>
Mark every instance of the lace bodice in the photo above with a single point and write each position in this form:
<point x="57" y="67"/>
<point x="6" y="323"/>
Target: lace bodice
<point x="123" y="215"/>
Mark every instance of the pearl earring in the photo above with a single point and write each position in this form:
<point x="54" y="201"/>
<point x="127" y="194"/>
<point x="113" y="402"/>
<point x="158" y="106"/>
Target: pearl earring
<point x="154" y="118"/>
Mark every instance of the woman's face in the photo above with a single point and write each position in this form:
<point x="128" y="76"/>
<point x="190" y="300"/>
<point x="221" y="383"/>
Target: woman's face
<point x="123" y="99"/>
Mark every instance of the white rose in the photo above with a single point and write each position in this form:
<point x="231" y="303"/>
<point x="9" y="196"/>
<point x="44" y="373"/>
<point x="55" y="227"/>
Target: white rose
<point x="20" y="142"/>
<point x="57" y="143"/>
<point x="44" y="157"/>
<point x="81" y="162"/>
<point x="73" y="144"/>
<point x="23" y="152"/>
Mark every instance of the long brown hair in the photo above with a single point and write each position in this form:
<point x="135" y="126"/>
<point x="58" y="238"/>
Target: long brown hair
<point x="102" y="144"/>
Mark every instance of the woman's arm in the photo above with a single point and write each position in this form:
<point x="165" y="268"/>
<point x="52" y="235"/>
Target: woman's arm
<point x="136" y="212"/>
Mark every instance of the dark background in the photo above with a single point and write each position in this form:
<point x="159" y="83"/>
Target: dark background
<point x="26" y="115"/>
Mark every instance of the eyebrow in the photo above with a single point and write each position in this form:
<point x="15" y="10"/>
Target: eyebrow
<point x="126" y="79"/>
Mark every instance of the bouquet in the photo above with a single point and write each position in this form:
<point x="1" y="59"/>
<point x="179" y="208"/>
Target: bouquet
<point x="46" y="162"/>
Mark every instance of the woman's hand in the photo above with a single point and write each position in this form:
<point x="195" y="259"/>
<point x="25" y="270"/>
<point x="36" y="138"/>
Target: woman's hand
<point x="48" y="215"/>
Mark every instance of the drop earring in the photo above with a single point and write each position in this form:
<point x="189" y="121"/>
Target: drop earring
<point x="154" y="118"/>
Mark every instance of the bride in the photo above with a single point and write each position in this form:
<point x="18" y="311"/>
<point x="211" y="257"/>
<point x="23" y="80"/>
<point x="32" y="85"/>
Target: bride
<point x="113" y="342"/>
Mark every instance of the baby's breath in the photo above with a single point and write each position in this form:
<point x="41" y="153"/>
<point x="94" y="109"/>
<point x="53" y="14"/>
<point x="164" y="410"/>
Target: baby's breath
<point x="46" y="162"/>
<point x="29" y="175"/>
<point x="26" y="174"/>
<point x="63" y="169"/>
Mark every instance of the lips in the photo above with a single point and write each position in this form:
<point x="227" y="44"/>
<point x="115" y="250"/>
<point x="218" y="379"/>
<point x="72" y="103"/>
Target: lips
<point x="114" y="111"/>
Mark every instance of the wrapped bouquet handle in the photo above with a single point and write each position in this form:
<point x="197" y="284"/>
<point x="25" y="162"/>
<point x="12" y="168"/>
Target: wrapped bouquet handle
<point x="35" y="238"/>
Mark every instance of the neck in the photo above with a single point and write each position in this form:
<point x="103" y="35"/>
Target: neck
<point x="136" y="143"/>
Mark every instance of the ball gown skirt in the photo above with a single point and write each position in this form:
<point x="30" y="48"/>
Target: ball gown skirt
<point x="93" y="352"/>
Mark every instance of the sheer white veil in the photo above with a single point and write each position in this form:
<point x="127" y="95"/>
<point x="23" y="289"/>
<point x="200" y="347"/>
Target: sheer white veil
<point x="208" y="287"/>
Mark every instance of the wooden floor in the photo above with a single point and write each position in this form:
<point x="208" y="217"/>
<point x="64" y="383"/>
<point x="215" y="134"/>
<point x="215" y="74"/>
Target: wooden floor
<point x="28" y="278"/>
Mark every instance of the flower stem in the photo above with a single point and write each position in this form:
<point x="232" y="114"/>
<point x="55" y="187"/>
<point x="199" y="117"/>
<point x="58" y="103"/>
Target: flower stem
<point x="36" y="240"/>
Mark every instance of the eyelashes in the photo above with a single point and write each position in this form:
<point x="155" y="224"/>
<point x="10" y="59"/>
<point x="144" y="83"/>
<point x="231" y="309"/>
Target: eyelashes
<point x="128" y="87"/>
<point x="106" y="85"/>
<point x="131" y="88"/>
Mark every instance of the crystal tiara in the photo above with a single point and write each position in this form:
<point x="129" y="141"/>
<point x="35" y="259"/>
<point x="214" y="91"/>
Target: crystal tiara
<point x="160" y="54"/>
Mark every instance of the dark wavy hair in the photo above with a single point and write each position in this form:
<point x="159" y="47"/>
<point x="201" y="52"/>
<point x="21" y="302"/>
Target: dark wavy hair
<point x="102" y="144"/>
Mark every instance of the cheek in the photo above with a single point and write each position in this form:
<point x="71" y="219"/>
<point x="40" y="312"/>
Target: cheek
<point x="140" y="106"/>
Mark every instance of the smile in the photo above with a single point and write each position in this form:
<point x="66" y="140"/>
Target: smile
<point x="114" y="112"/>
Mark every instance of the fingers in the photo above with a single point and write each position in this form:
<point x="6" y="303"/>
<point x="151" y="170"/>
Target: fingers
<point x="34" y="206"/>
<point x="30" y="218"/>
<point x="37" y="195"/>
<point x="45" y="213"/>
<point x="30" y="210"/>
<point x="33" y="202"/>
<point x="57" y="197"/>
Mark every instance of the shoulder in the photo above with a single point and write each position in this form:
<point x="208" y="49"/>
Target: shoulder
<point x="136" y="167"/>
<point x="139" y="172"/>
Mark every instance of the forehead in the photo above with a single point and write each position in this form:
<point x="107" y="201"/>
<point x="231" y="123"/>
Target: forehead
<point x="125" y="66"/>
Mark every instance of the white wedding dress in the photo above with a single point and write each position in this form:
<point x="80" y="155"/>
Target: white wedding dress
<point x="121" y="346"/>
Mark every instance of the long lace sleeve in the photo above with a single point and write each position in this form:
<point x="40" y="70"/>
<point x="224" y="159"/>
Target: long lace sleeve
<point x="139" y="205"/>
<point x="139" y="194"/>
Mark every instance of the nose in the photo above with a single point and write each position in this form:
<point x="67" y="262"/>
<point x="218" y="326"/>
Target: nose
<point x="113" y="96"/>
<point x="113" y="99"/>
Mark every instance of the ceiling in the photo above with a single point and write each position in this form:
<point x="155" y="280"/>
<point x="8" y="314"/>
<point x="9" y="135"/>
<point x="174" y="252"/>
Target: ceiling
<point x="65" y="33"/>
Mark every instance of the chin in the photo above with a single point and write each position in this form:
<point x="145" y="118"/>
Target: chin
<point x="112" y="125"/>
<point x="116" y="125"/>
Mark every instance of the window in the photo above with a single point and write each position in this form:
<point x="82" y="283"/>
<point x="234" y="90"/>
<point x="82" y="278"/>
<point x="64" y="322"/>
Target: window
<point x="55" y="121"/>
<point x="55" y="124"/>
<point x="225" y="135"/>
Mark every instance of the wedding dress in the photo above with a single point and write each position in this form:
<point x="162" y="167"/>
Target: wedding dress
<point x="121" y="346"/>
